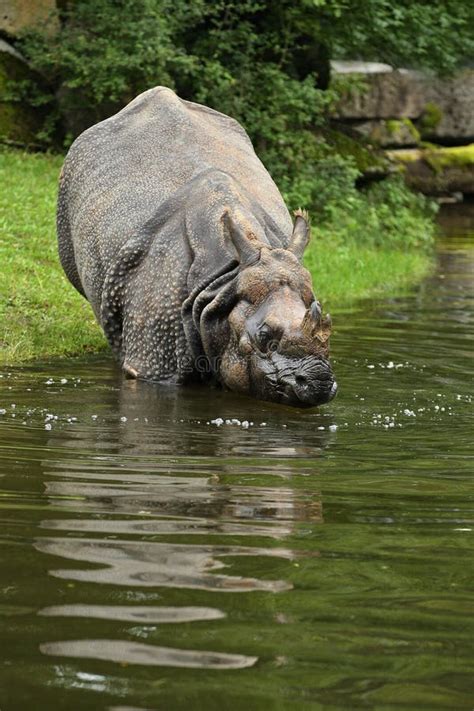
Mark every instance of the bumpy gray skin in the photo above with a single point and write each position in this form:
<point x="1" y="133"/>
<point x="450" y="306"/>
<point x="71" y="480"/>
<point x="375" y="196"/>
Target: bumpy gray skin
<point x="142" y="228"/>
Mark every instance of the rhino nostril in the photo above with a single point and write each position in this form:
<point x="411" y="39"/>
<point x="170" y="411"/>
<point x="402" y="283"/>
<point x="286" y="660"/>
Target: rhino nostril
<point x="300" y="379"/>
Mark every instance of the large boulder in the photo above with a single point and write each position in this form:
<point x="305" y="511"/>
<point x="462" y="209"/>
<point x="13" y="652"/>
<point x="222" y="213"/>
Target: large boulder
<point x="18" y="15"/>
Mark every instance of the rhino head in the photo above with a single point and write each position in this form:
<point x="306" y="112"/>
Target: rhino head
<point x="276" y="339"/>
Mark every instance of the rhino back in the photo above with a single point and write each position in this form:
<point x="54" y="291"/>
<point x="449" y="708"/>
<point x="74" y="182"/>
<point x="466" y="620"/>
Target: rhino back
<point x="120" y="172"/>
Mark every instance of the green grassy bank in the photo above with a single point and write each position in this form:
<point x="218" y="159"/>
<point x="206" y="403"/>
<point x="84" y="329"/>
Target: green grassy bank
<point x="41" y="314"/>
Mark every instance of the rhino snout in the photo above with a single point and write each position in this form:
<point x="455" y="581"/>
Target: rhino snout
<point x="303" y="391"/>
<point x="303" y="382"/>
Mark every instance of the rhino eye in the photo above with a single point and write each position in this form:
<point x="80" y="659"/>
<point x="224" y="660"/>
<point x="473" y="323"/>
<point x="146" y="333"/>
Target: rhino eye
<point x="265" y="338"/>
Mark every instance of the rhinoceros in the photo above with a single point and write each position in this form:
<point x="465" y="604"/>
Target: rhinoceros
<point x="169" y="224"/>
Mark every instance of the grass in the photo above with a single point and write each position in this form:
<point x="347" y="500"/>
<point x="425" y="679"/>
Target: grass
<point x="41" y="314"/>
<point x="345" y="275"/>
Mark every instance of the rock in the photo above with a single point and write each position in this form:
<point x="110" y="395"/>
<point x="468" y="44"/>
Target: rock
<point x="448" y="112"/>
<point x="19" y="123"/>
<point x="17" y="15"/>
<point x="437" y="171"/>
<point x="442" y="109"/>
<point x="5" y="47"/>
<point x="368" y="160"/>
<point x="383" y="95"/>
<point x="389" y="132"/>
<point x="356" y="67"/>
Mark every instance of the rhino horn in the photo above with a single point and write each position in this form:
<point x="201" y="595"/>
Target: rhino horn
<point x="314" y="326"/>
<point x="300" y="237"/>
<point x="245" y="241"/>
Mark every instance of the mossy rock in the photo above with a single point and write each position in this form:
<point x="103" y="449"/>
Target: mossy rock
<point x="19" y="123"/>
<point x="435" y="170"/>
<point x="402" y="131"/>
<point x="368" y="160"/>
<point x="430" y="118"/>
<point x="448" y="108"/>
<point x="385" y="133"/>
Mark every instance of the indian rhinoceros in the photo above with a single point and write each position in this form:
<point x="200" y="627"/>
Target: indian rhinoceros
<point x="172" y="228"/>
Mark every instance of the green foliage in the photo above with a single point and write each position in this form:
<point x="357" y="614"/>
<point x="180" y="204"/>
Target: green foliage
<point x="387" y="215"/>
<point x="433" y="34"/>
<point x="368" y="242"/>
<point x="19" y="122"/>
<point x="264" y="63"/>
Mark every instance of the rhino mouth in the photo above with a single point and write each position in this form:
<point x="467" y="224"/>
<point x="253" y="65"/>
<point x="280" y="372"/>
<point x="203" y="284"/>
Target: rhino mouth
<point x="307" y="396"/>
<point x="301" y="383"/>
<point x="304" y="396"/>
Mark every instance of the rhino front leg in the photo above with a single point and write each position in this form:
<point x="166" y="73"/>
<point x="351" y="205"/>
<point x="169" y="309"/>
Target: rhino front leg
<point x="113" y="296"/>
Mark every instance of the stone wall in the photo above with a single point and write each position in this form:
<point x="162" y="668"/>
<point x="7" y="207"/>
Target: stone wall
<point x="405" y="109"/>
<point x="439" y="109"/>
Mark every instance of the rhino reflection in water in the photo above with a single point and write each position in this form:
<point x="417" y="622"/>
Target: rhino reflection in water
<point x="139" y="525"/>
<point x="171" y="227"/>
<point x="148" y="505"/>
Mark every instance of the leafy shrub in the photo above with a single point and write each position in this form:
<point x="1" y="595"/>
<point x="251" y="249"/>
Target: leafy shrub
<point x="387" y="215"/>
<point x="266" y="64"/>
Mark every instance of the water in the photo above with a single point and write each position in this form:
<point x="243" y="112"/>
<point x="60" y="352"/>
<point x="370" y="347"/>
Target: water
<point x="152" y="559"/>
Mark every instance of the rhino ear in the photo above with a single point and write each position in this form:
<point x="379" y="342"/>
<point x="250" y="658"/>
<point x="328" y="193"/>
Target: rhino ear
<point x="245" y="241"/>
<point x="300" y="237"/>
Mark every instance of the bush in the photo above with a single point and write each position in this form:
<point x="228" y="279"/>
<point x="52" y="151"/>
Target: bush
<point x="264" y="63"/>
<point x="387" y="215"/>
